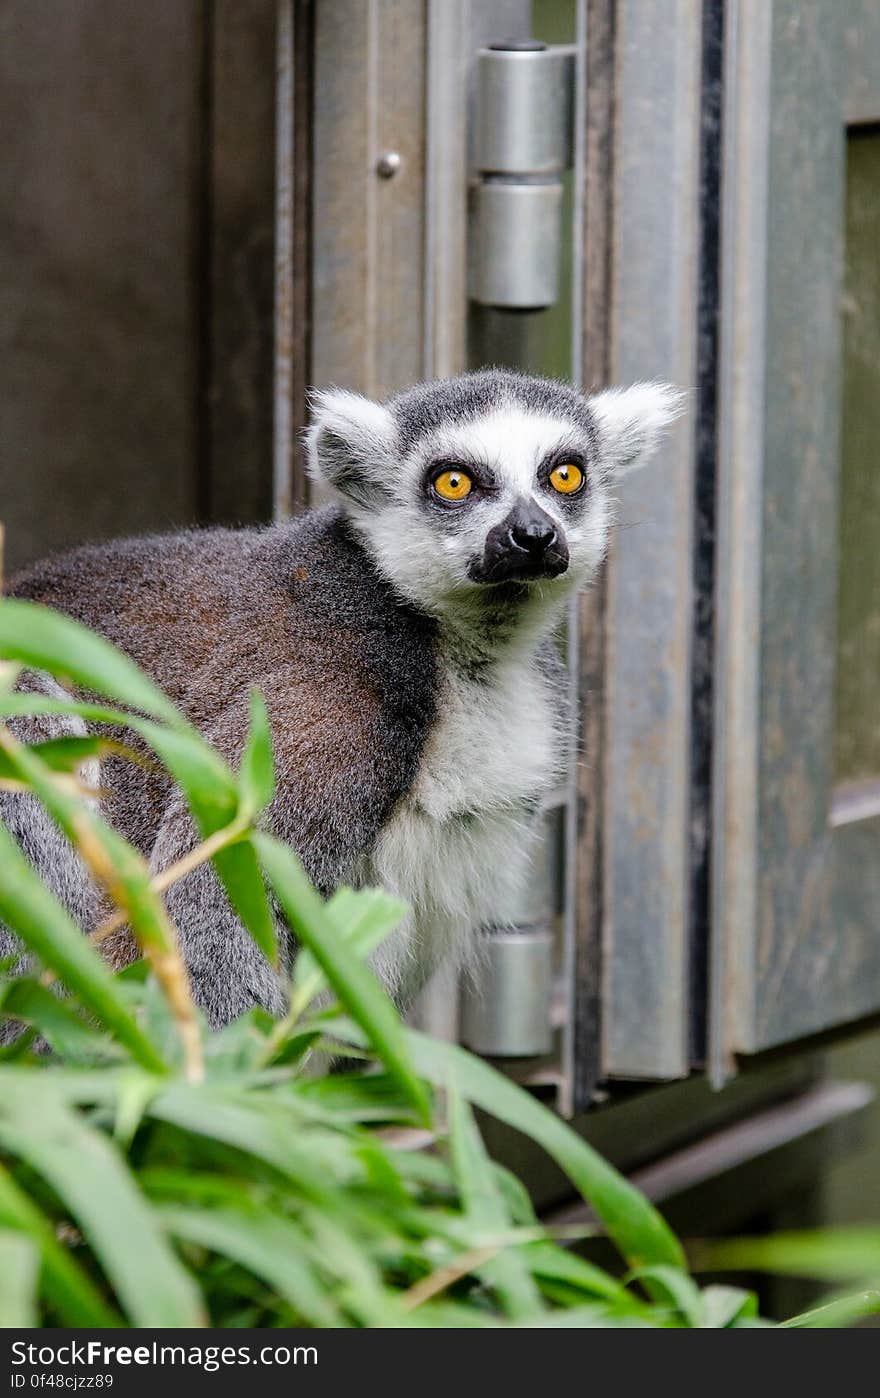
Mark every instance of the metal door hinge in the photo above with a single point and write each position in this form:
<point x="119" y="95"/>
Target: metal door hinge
<point x="508" y="1012"/>
<point x="523" y="143"/>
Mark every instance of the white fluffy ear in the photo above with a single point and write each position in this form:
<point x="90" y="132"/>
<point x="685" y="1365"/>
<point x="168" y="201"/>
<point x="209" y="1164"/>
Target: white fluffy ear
<point x="350" y="444"/>
<point x="631" y="421"/>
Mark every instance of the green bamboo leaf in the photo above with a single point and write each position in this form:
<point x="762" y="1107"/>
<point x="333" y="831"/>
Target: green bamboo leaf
<point x="47" y="930"/>
<point x="135" y="1092"/>
<point x="358" y="1097"/>
<point x="75" y="1086"/>
<point x="266" y="1243"/>
<point x="506" y="1274"/>
<point x="19" y="1272"/>
<point x="26" y="703"/>
<point x="63" y="1029"/>
<point x="20" y="1048"/>
<point x="632" y="1223"/>
<point x="676" y="1288"/>
<point x="218" y="1114"/>
<point x="833" y="1254"/>
<point x="238" y="869"/>
<point x="125" y="874"/>
<point x="67" y="754"/>
<point x="381" y="1170"/>
<point x="197" y="768"/>
<point x="443" y="1314"/>
<point x="204" y="778"/>
<point x="363" y="919"/>
<point x="67" y="1288"/>
<point x="724" y="1306"/>
<point x="212" y="795"/>
<point x="515" y="1195"/>
<point x="355" y="985"/>
<point x="177" y="1184"/>
<point x="209" y="788"/>
<point x="256" y="777"/>
<point x="91" y="1178"/>
<point x="47" y="640"/>
<point x="360" y="1285"/>
<point x="552" y="1263"/>
<point x="598" y="1317"/>
<point x="425" y="1172"/>
<point x="841" y="1311"/>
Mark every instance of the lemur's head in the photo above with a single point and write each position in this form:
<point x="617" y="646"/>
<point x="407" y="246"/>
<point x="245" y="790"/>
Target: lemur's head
<point x="486" y="480"/>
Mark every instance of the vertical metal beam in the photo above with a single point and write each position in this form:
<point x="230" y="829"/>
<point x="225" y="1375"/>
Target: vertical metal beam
<point x="706" y="402"/>
<point x="649" y="579"/>
<point x="293" y="242"/>
<point x="569" y="1038"/>
<point x="449" y="60"/>
<point x="739" y="547"/>
<point x="369" y="250"/>
<point x="594" y="253"/>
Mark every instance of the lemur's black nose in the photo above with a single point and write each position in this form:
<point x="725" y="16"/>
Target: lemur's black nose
<point x="526" y="545"/>
<point x="532" y="532"/>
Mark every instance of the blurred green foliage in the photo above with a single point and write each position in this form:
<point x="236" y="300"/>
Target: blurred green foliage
<point x="153" y="1173"/>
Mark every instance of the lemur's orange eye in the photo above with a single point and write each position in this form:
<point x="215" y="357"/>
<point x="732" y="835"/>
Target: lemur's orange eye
<point x="453" y="485"/>
<point x="566" y="478"/>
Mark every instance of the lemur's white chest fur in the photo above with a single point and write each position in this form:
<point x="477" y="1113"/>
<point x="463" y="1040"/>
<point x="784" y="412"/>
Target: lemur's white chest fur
<point x="457" y="847"/>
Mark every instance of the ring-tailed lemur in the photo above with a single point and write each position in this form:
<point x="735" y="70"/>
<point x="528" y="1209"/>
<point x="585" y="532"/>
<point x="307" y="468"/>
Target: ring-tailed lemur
<point x="403" y="641"/>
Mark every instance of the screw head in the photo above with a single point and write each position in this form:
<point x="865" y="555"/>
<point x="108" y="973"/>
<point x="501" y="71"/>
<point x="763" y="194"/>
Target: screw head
<point x="388" y="165"/>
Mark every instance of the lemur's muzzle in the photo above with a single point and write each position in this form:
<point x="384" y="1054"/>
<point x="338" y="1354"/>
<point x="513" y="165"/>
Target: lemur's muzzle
<point x="526" y="544"/>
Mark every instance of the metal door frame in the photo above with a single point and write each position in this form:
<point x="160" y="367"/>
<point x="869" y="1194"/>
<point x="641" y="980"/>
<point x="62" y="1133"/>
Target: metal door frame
<point x="654" y="296"/>
<point x="774" y="846"/>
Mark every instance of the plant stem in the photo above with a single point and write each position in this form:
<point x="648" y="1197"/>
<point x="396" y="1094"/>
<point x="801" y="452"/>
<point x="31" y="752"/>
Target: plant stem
<point x="445" y="1277"/>
<point x="161" y="948"/>
<point x="173" y="874"/>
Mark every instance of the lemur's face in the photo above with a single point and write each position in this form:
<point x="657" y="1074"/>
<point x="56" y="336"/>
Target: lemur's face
<point x="486" y="480"/>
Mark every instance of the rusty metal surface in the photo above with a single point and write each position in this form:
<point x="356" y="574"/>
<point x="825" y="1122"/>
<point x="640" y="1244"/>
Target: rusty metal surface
<point x="797" y="900"/>
<point x="649" y="607"/>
